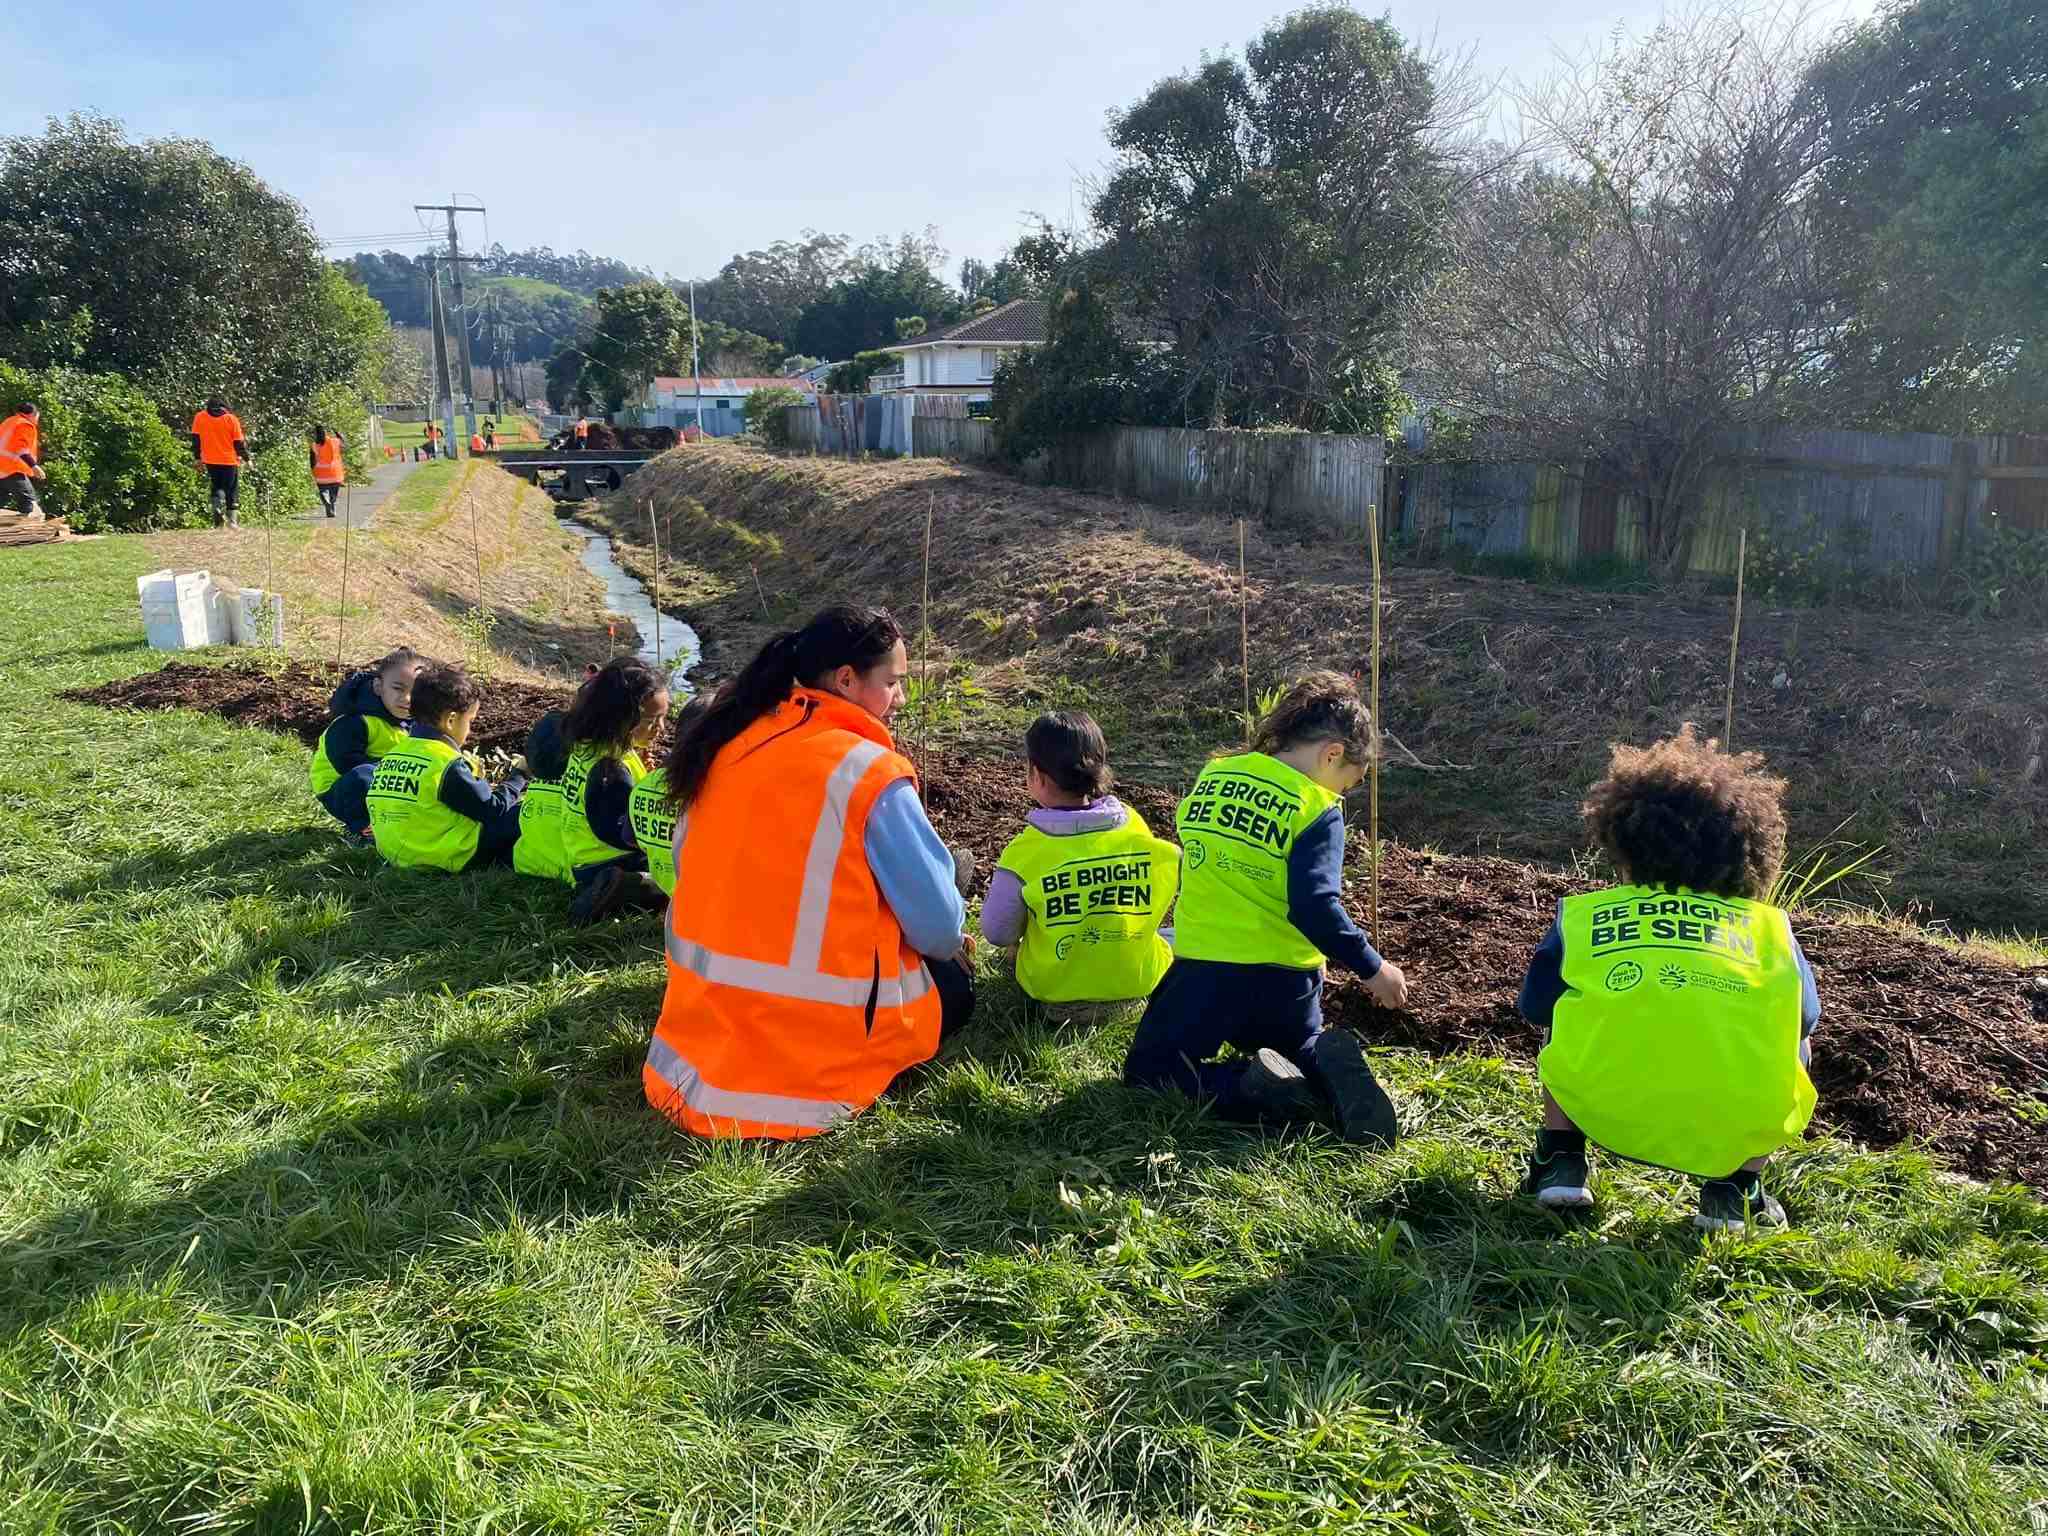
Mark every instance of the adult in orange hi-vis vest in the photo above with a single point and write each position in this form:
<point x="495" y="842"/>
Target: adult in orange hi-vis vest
<point x="20" y="464"/>
<point x="323" y="457"/>
<point x="219" y="449"/>
<point x="816" y="945"/>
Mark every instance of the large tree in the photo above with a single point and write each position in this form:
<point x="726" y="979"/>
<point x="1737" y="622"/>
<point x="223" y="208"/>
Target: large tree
<point x="890" y="280"/>
<point x="169" y="264"/>
<point x="1648" y="287"/>
<point x="1270" y="215"/>
<point x="637" y="332"/>
<point x="765" y="291"/>
<point x="1933" y="206"/>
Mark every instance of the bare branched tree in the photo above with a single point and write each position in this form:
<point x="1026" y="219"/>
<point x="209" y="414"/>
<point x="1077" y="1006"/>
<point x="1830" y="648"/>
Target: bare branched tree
<point x="1645" y="286"/>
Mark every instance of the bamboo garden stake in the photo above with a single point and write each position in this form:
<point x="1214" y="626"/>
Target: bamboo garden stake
<point x="924" y="641"/>
<point x="476" y="543"/>
<point x="348" y="516"/>
<point x="654" y="532"/>
<point x="1372" y="908"/>
<point x="1244" y="632"/>
<point x="1735" y="644"/>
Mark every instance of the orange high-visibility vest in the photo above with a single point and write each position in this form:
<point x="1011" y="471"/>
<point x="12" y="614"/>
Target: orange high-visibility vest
<point x="18" y="435"/>
<point x="476" y="442"/>
<point x="792" y="998"/>
<point x="327" y="466"/>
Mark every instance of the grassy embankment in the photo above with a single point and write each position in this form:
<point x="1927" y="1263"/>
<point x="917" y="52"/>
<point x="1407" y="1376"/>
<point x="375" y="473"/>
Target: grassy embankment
<point x="1915" y="735"/>
<point x="330" y="1204"/>
<point x="412" y="575"/>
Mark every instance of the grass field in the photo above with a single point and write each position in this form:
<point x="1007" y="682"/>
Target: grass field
<point x="408" y="435"/>
<point x="330" y="1204"/>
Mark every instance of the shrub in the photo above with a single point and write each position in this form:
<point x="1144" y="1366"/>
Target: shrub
<point x="765" y="413"/>
<point x="112" y="463"/>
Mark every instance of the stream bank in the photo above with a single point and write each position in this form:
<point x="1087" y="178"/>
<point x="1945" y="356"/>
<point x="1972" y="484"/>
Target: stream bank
<point x="666" y="642"/>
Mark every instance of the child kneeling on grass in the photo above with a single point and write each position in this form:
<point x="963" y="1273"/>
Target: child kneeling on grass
<point x="1083" y="889"/>
<point x="653" y="813"/>
<point x="1262" y="877"/>
<point x="430" y="807"/>
<point x="1678" y="1005"/>
<point x="576" y="825"/>
<point x="370" y="709"/>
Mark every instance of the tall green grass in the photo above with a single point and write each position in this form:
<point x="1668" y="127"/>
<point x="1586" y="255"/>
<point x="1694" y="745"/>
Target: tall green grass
<point x="330" y="1204"/>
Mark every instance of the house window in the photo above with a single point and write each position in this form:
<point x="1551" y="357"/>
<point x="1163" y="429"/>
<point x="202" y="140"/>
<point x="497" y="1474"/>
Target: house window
<point x="988" y="362"/>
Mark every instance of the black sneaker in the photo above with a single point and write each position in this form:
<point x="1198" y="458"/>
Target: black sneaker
<point x="1365" y="1115"/>
<point x="1737" y="1204"/>
<point x="1557" y="1177"/>
<point x="1274" y="1088"/>
<point x="598" y="897"/>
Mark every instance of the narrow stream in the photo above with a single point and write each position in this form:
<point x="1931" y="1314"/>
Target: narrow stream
<point x="625" y="595"/>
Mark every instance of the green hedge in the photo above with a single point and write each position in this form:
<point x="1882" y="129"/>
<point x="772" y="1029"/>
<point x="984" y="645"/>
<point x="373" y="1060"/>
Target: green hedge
<point x="110" y="461"/>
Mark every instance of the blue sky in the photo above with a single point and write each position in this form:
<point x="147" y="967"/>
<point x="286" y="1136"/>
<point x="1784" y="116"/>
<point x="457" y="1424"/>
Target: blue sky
<point x="673" y="135"/>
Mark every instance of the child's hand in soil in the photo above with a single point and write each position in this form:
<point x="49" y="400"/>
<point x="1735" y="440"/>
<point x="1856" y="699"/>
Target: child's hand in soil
<point x="1389" y="986"/>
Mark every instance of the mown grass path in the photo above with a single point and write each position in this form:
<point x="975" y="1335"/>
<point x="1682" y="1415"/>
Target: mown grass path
<point x="328" y="1202"/>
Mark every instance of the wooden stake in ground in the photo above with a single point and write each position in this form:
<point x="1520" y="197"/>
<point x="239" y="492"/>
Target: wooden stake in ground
<point x="654" y="532"/>
<point x="1372" y="768"/>
<point x="1244" y="632"/>
<point x="759" y="591"/>
<point x="1735" y="644"/>
<point x="924" y="643"/>
<point x="341" y="614"/>
<point x="476" y="543"/>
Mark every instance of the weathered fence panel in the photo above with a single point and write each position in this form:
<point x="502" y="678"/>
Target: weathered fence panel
<point x="1273" y="475"/>
<point x="952" y="437"/>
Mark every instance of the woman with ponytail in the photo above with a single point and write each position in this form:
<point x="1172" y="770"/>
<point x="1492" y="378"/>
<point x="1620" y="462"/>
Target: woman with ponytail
<point x="816" y="939"/>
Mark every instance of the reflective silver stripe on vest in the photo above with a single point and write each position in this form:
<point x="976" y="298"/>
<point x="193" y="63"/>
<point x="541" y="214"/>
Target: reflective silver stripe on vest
<point x="828" y="840"/>
<point x="725" y="1104"/>
<point x="788" y="981"/>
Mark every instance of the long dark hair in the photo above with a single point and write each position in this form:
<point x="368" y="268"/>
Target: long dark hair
<point x="1324" y="706"/>
<point x="319" y="434"/>
<point x="1067" y="746"/>
<point x="608" y="705"/>
<point x="841" y="636"/>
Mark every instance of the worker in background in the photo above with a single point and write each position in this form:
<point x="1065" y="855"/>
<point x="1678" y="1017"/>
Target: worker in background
<point x="582" y="431"/>
<point x="324" y="459"/>
<point x="433" y="443"/>
<point x="476" y="442"/>
<point x="490" y="437"/>
<point x="219" y="449"/>
<point x="20" y="467"/>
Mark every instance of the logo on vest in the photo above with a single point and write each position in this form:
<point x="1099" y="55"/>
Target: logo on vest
<point x="1197" y="852"/>
<point x="1672" y="977"/>
<point x="1625" y="977"/>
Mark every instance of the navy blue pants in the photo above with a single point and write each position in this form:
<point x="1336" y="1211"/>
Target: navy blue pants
<point x="347" y="798"/>
<point x="496" y="833"/>
<point x="1200" y="1006"/>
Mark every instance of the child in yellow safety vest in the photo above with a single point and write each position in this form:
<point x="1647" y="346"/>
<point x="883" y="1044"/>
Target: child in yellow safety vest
<point x="1083" y="889"/>
<point x="369" y="712"/>
<point x="1677" y="1005"/>
<point x="653" y="814"/>
<point x="430" y="806"/>
<point x="1260" y="916"/>
<point x="577" y="823"/>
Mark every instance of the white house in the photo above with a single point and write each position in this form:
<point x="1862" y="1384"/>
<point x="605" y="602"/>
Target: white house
<point x="961" y="359"/>
<point x="674" y="402"/>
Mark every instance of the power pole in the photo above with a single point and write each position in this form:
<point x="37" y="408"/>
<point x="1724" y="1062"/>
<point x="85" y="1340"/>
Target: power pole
<point x="444" y="394"/>
<point x="696" y="367"/>
<point x="456" y="259"/>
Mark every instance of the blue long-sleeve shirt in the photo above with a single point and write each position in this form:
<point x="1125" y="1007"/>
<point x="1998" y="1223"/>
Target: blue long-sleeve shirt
<point x="915" y="872"/>
<point x="467" y="795"/>
<point x="1315" y="891"/>
<point x="1543" y="985"/>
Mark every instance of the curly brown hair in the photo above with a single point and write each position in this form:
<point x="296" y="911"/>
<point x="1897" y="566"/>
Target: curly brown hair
<point x="1323" y="706"/>
<point x="1681" y="812"/>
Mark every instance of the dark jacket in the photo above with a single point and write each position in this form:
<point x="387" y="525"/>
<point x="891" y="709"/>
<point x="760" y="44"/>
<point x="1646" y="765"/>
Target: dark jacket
<point x="1315" y="890"/>
<point x="348" y="738"/>
<point x="607" y="798"/>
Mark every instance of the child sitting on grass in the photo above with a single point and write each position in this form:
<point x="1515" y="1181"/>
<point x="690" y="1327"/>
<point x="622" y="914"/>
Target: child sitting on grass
<point x="577" y="826"/>
<point x="1262" y="877"/>
<point x="1677" y="1004"/>
<point x="370" y="709"/>
<point x="653" y="814"/>
<point x="430" y="807"/>
<point x="1083" y="888"/>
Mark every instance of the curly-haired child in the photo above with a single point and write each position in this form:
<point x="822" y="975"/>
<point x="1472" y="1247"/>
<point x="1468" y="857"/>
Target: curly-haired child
<point x="1677" y="1004"/>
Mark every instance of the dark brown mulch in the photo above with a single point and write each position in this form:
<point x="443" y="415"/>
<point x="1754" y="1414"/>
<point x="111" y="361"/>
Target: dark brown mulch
<point x="1918" y="1042"/>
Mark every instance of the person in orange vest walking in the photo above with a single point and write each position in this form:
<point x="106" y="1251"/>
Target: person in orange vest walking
<point x="324" y="459"/>
<point x="219" y="449"/>
<point x="20" y="463"/>
<point x="816" y="941"/>
<point x="582" y="431"/>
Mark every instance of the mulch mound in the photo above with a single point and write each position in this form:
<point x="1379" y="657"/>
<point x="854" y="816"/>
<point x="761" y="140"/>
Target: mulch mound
<point x="1916" y="1042"/>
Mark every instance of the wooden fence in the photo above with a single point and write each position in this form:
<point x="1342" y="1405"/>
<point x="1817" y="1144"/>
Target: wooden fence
<point x="952" y="437"/>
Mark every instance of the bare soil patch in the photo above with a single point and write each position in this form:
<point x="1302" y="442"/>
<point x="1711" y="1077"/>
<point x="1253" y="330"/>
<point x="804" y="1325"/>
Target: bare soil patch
<point x="1918" y="1042"/>
<point x="1912" y="733"/>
